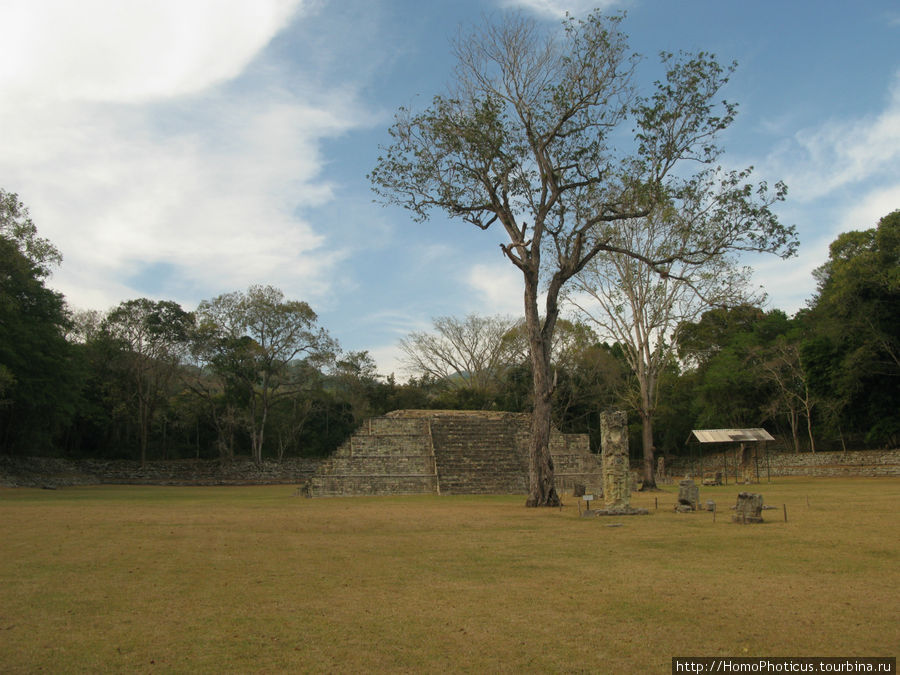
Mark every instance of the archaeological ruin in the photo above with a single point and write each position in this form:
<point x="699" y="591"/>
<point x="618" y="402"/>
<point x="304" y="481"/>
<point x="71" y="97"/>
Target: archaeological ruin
<point x="748" y="508"/>
<point x="615" y="466"/>
<point x="448" y="452"/>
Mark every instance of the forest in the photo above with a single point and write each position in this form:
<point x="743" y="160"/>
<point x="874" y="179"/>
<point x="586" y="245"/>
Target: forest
<point x="252" y="373"/>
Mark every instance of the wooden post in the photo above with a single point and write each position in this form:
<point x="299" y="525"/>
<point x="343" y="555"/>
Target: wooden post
<point x="756" y="460"/>
<point x="700" y="447"/>
<point x="785" y="512"/>
<point x="725" y="461"/>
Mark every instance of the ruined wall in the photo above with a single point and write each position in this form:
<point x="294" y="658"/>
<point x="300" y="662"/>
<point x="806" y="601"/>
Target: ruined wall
<point x="387" y="455"/>
<point x="404" y="452"/>
<point x="53" y="472"/>
<point x="448" y="452"/>
<point x="819" y="464"/>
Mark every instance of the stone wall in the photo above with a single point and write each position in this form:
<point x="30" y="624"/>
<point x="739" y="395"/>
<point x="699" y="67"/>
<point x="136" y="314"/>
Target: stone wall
<point x="818" y="464"/>
<point x="52" y="472"/>
<point x="387" y="455"/>
<point x="448" y="452"/>
<point x="404" y="452"/>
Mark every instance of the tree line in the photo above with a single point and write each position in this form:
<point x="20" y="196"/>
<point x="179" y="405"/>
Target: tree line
<point x="252" y="373"/>
<point x="616" y="213"/>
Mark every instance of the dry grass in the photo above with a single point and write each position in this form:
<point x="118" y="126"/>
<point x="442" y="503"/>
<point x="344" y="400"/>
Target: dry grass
<point x="152" y="579"/>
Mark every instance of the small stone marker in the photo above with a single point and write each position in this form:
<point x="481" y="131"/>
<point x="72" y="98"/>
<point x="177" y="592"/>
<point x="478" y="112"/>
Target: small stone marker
<point x="688" y="496"/>
<point x="748" y="508"/>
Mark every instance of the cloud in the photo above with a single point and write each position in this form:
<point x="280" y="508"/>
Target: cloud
<point x="871" y="208"/>
<point x="169" y="180"/>
<point x="842" y="153"/>
<point x="95" y="50"/>
<point x="497" y="289"/>
<point x="558" y="8"/>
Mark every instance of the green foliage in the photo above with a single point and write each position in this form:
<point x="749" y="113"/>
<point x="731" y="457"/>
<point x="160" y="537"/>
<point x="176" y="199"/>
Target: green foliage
<point x="255" y="349"/>
<point x="731" y="391"/>
<point x="17" y="227"/>
<point x="151" y="338"/>
<point x="38" y="384"/>
<point x="855" y="348"/>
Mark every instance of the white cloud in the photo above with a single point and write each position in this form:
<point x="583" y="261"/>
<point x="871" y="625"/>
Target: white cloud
<point x="216" y="204"/>
<point x="789" y="283"/>
<point x="140" y="50"/>
<point x="559" y="8"/>
<point x="203" y="183"/>
<point x="389" y="360"/>
<point x="842" y="153"/>
<point x="497" y="289"/>
<point x="843" y="175"/>
<point x="871" y="208"/>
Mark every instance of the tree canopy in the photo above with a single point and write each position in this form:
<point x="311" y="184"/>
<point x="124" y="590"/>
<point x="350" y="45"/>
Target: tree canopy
<point x="253" y="339"/>
<point x="552" y="138"/>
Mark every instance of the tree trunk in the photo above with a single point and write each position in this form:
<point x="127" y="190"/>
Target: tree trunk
<point x="792" y="415"/>
<point x="541" y="488"/>
<point x="809" y="431"/>
<point x="143" y="439"/>
<point x="542" y="491"/>
<point x="649" y="451"/>
<point x="648" y="394"/>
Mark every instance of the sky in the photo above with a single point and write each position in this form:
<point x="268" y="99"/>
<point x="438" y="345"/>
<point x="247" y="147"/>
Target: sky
<point x="181" y="149"/>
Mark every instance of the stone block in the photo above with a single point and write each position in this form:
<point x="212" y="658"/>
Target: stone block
<point x="688" y="493"/>
<point x="748" y="508"/>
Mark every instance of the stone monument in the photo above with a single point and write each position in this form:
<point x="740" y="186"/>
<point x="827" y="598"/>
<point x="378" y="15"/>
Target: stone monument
<point x="688" y="496"/>
<point x="748" y="508"/>
<point x="616" y="470"/>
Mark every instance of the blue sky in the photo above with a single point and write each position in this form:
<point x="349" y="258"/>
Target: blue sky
<point x="179" y="149"/>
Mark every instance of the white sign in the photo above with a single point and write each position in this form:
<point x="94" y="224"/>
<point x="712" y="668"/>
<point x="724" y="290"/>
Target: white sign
<point x="588" y="498"/>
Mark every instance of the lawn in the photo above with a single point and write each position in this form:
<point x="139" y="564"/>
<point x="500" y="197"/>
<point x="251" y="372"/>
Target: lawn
<point x="254" y="579"/>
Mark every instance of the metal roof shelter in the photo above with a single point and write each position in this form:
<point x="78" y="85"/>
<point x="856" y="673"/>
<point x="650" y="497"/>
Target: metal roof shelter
<point x="732" y="435"/>
<point x="740" y="436"/>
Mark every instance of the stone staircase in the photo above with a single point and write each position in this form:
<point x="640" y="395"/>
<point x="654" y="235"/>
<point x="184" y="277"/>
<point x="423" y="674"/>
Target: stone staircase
<point x="387" y="456"/>
<point x="447" y="452"/>
<point x="477" y="455"/>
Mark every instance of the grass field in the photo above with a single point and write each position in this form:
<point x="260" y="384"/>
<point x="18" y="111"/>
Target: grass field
<point x="253" y="579"/>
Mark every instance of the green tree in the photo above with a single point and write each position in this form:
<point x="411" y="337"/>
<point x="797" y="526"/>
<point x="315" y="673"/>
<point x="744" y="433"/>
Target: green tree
<point x="38" y="382"/>
<point x="643" y="308"/>
<point x="534" y="139"/>
<point x="17" y="227"/>
<point x="781" y="363"/>
<point x="152" y="336"/>
<point x="718" y="350"/>
<point x="854" y="345"/>
<point x="252" y="340"/>
<point x="355" y="379"/>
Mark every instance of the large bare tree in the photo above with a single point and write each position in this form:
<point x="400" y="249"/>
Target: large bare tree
<point x="642" y="308"/>
<point x="536" y="137"/>
<point x="472" y="352"/>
